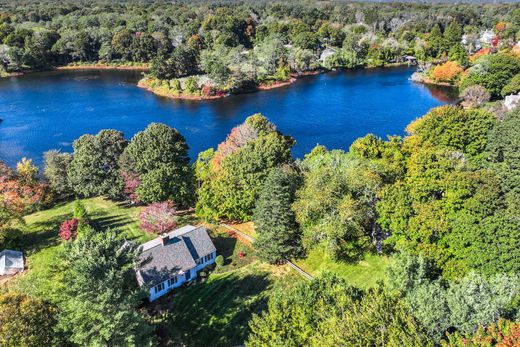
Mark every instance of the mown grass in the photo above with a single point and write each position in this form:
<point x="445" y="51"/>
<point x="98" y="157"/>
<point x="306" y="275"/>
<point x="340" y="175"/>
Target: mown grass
<point x="362" y="274"/>
<point x="42" y="246"/>
<point x="247" y="228"/>
<point x="216" y="312"/>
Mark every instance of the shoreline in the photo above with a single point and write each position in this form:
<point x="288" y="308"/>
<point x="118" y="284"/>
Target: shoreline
<point x="418" y="77"/>
<point x="143" y="83"/>
<point x="143" y="68"/>
<point x="102" y="67"/>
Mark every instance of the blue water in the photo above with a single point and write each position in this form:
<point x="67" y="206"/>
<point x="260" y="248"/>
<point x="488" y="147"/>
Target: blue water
<point x="49" y="110"/>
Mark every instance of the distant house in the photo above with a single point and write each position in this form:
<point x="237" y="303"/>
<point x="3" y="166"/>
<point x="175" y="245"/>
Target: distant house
<point x="327" y="53"/>
<point x="173" y="259"/>
<point x="11" y="262"/>
<point x="487" y="36"/>
<point x="410" y="59"/>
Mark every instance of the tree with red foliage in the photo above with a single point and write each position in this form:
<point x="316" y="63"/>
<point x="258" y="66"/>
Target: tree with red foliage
<point x="207" y="90"/>
<point x="131" y="182"/>
<point x="69" y="229"/>
<point x="159" y="217"/>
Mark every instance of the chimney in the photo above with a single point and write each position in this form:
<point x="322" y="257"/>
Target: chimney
<point x="164" y="238"/>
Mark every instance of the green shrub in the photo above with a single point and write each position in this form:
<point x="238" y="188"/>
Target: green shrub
<point x="493" y="72"/>
<point x="512" y="87"/>
<point x="80" y="212"/>
<point x="219" y="260"/>
<point x="191" y="86"/>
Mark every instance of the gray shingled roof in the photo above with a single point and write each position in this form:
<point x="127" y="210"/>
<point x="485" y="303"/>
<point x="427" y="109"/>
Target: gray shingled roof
<point x="198" y="242"/>
<point x="183" y="247"/>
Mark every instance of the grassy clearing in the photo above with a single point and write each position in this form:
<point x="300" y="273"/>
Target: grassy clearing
<point x="362" y="274"/>
<point x="217" y="311"/>
<point x="42" y="245"/>
<point x="247" y="228"/>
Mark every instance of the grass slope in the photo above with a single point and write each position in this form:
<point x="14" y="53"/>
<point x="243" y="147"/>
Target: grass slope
<point x="217" y="312"/>
<point x="211" y="312"/>
<point x="42" y="245"/>
<point x="362" y="274"/>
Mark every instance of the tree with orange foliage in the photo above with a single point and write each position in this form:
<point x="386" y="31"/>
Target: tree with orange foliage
<point x="19" y="195"/>
<point x="237" y="138"/>
<point x="502" y="334"/>
<point x="500" y="26"/>
<point x="447" y="72"/>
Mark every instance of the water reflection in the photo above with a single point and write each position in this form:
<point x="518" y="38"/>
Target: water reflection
<point x="49" y="110"/>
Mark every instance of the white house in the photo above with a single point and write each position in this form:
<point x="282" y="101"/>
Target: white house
<point x="173" y="259"/>
<point x="487" y="36"/>
<point x="327" y="53"/>
<point x="11" y="262"/>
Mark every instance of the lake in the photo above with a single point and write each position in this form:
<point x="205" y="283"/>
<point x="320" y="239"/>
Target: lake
<point x="49" y="110"/>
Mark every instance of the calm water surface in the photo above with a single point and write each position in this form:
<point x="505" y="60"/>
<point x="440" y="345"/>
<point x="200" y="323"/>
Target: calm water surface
<point x="49" y="110"/>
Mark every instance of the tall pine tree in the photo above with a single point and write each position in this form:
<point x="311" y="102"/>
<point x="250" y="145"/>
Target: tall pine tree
<point x="100" y="298"/>
<point x="278" y="232"/>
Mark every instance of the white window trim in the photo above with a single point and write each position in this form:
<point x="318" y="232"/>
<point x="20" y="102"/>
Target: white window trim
<point x="172" y="281"/>
<point x="160" y="285"/>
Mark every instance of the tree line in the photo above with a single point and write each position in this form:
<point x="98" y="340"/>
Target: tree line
<point x="240" y="44"/>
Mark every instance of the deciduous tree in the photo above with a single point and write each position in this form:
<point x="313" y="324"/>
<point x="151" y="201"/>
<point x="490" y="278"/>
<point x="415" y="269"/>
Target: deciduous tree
<point x="56" y="167"/>
<point x="27" y="322"/>
<point x="94" y="169"/>
<point x="159" y="155"/>
<point x="158" y="218"/>
<point x="231" y="188"/>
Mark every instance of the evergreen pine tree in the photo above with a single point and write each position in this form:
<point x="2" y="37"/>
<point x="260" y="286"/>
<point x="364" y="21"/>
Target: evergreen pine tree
<point x="453" y="34"/>
<point x="276" y="226"/>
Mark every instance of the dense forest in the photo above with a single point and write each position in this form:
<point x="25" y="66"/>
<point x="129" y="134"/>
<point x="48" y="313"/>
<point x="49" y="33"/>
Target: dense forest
<point x="441" y="203"/>
<point x="212" y="49"/>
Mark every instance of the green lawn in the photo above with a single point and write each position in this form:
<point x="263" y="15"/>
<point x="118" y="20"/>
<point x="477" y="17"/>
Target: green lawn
<point x="216" y="312"/>
<point x="42" y="245"/>
<point x="362" y="274"/>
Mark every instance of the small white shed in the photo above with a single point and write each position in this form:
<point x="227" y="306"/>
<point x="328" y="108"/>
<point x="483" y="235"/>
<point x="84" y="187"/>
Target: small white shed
<point x="11" y="262"/>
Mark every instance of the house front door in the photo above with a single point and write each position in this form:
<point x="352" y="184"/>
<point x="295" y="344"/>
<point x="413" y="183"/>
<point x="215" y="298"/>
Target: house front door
<point x="188" y="275"/>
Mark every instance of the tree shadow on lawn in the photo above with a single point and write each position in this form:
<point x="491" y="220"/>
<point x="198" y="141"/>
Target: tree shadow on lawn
<point x="102" y="219"/>
<point x="112" y="222"/>
<point x="225" y="246"/>
<point x="215" y="313"/>
<point x="45" y="234"/>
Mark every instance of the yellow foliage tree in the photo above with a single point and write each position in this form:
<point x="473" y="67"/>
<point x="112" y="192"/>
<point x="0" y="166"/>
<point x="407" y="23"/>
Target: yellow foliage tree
<point x="447" y="72"/>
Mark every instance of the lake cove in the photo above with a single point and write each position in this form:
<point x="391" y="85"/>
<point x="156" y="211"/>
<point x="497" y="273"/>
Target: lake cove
<point x="50" y="110"/>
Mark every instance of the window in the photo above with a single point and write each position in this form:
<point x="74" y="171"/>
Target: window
<point x="159" y="287"/>
<point x="188" y="275"/>
<point x="172" y="281"/>
<point x="199" y="261"/>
